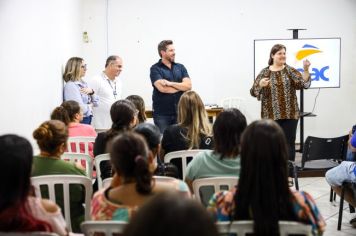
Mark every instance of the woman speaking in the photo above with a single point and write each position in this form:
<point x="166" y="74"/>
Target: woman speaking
<point x="276" y="87"/>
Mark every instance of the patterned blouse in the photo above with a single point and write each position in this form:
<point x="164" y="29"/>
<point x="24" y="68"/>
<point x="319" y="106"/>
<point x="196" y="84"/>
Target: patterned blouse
<point x="279" y="99"/>
<point x="104" y="209"/>
<point x="222" y="206"/>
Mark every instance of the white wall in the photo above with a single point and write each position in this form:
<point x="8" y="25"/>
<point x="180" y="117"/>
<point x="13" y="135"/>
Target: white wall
<point x="214" y="40"/>
<point x="37" y="37"/>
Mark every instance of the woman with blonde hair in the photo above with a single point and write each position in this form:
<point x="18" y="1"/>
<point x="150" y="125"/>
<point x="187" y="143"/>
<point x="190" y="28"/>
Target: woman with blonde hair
<point x="193" y="130"/>
<point x="77" y="89"/>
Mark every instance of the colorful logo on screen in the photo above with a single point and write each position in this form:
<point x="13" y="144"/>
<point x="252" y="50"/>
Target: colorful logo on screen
<point x="316" y="74"/>
<point x="307" y="50"/>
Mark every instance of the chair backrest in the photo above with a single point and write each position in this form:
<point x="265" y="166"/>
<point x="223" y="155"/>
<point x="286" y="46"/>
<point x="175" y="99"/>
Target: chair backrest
<point x="232" y="102"/>
<point x="324" y="149"/>
<point x="204" y="188"/>
<point x="79" y="144"/>
<point x="28" y="234"/>
<point x="65" y="180"/>
<point x="246" y="227"/>
<point x="106" y="182"/>
<point x="80" y="157"/>
<point x="183" y="155"/>
<point x="105" y="228"/>
<point x="163" y="178"/>
<point x="97" y="160"/>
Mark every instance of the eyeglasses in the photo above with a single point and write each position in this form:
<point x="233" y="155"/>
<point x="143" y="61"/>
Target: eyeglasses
<point x="84" y="66"/>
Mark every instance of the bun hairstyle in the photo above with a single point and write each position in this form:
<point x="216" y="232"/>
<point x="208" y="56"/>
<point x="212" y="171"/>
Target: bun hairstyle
<point x="50" y="135"/>
<point x="66" y="112"/>
<point x="129" y="157"/>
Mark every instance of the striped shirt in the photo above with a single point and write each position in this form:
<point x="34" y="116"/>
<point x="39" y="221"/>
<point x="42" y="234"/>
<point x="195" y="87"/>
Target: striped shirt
<point x="279" y="99"/>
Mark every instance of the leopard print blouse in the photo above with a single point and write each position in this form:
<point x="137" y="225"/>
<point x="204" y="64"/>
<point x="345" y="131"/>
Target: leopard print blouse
<point x="279" y="99"/>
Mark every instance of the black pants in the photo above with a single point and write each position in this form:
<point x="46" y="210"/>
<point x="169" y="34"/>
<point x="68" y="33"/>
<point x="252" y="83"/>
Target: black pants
<point x="290" y="130"/>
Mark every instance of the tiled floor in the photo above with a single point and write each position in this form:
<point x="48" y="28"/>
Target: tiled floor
<point x="320" y="191"/>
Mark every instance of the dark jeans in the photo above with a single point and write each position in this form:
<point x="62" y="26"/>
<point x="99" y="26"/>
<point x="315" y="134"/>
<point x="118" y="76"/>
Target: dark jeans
<point x="86" y="120"/>
<point x="162" y="122"/>
<point x="289" y="127"/>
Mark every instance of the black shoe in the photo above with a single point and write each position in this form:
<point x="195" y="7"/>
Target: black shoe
<point x="353" y="222"/>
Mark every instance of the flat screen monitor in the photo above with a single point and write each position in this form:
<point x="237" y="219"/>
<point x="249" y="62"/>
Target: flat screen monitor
<point x="323" y="53"/>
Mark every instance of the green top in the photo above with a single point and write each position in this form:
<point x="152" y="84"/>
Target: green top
<point x="208" y="164"/>
<point x="54" y="166"/>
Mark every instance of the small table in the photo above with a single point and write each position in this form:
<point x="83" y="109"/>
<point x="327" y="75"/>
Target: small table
<point x="212" y="113"/>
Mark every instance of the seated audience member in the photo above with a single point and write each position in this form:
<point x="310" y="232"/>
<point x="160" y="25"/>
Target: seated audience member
<point x="124" y="117"/>
<point x="193" y="130"/>
<point x="345" y="172"/>
<point x="170" y="215"/>
<point x="140" y="106"/>
<point x="51" y="137"/>
<point x="224" y="160"/>
<point x="152" y="135"/>
<point x="132" y="183"/>
<point x="262" y="193"/>
<point x="70" y="113"/>
<point x="19" y="211"/>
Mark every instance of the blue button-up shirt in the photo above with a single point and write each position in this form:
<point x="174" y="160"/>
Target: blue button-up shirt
<point x="166" y="103"/>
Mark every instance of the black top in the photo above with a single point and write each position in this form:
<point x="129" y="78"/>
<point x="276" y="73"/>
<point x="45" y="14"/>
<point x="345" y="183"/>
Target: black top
<point x="100" y="148"/>
<point x="174" y="140"/>
<point x="166" y="103"/>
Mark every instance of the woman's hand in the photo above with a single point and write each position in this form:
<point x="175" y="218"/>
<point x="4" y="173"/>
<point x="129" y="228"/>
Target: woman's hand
<point x="87" y="91"/>
<point x="264" y="82"/>
<point x="306" y="64"/>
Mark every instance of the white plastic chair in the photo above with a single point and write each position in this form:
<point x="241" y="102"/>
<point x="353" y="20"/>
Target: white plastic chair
<point x="163" y="178"/>
<point x="218" y="184"/>
<point x="97" y="160"/>
<point x="28" y="234"/>
<point x="65" y="180"/>
<point x="106" y="182"/>
<point x="183" y="155"/>
<point x="106" y="228"/>
<point x="246" y="227"/>
<point x="78" y="157"/>
<point x="78" y="142"/>
<point x="232" y="102"/>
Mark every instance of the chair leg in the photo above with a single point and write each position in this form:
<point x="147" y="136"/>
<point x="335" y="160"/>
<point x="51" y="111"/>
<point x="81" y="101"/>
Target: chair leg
<point x="341" y="207"/>
<point x="296" y="183"/>
<point x="331" y="194"/>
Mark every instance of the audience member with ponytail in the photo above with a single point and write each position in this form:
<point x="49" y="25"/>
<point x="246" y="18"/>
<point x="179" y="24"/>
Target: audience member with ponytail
<point x="19" y="211"/>
<point x="132" y="184"/>
<point x="124" y="117"/>
<point x="70" y="113"/>
<point x="51" y="137"/>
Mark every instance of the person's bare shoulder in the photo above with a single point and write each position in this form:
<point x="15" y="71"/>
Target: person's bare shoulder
<point x="49" y="206"/>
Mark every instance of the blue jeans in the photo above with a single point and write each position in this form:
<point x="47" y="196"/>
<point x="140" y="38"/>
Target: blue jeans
<point x="86" y="120"/>
<point x="344" y="172"/>
<point x="162" y="122"/>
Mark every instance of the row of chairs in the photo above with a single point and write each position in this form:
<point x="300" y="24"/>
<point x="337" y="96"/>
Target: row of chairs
<point x="215" y="184"/>
<point x="110" y="228"/>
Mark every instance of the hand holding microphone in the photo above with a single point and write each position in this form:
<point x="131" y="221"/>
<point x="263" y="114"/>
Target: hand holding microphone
<point x="264" y="82"/>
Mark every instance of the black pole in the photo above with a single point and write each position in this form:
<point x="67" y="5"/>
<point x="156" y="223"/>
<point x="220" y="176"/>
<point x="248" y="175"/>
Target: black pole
<point x="301" y="101"/>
